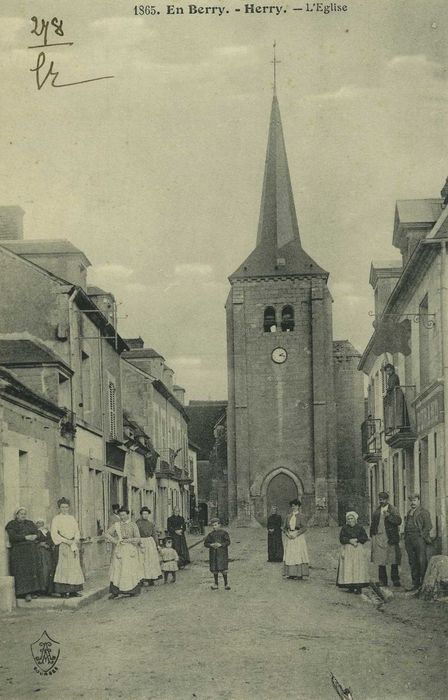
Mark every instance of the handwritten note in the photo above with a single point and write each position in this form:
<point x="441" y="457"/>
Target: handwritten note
<point x="49" y="31"/>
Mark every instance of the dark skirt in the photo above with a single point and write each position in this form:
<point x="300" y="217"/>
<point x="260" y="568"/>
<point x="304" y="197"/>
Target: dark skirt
<point x="24" y="566"/>
<point x="275" y="546"/>
<point x="116" y="591"/>
<point x="67" y="587"/>
<point x="180" y="545"/>
<point x="46" y="569"/>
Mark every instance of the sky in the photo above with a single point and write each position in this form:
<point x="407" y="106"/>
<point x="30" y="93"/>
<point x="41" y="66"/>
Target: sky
<point x="156" y="174"/>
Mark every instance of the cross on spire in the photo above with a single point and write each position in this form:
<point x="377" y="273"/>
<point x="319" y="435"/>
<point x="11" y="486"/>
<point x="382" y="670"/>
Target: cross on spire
<point x="275" y="62"/>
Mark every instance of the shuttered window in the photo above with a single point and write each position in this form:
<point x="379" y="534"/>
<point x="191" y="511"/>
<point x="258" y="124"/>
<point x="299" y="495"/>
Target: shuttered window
<point x="112" y="410"/>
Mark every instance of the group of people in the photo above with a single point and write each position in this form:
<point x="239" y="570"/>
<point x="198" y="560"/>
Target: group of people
<point x="139" y="556"/>
<point x="287" y="543"/>
<point x="45" y="561"/>
<point x="385" y="549"/>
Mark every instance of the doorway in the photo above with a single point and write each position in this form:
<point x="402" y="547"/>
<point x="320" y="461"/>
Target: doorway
<point x="281" y="490"/>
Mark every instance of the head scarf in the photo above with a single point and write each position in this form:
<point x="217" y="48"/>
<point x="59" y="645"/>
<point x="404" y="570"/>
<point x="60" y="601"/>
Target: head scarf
<point x="19" y="509"/>
<point x="352" y="513"/>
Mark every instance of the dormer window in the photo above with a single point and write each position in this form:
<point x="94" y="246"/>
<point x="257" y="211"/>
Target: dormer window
<point x="287" y="319"/>
<point x="269" y="323"/>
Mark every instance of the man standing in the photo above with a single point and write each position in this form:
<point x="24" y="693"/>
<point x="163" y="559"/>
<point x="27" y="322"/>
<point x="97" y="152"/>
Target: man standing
<point x="385" y="535"/>
<point x="416" y="536"/>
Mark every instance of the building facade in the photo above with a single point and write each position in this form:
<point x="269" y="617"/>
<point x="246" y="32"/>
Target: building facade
<point x="406" y="430"/>
<point x="59" y="337"/>
<point x="31" y="435"/>
<point x="156" y="403"/>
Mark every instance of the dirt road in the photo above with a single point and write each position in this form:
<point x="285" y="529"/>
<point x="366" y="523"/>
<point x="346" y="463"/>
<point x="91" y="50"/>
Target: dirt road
<point x="266" y="638"/>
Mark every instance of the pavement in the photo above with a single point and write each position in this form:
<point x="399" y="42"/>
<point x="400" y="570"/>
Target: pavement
<point x="95" y="587"/>
<point x="267" y="637"/>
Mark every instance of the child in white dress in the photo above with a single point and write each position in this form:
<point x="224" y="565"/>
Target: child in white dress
<point x="169" y="561"/>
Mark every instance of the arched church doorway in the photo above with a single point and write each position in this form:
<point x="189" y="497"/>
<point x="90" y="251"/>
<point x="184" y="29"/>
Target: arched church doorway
<point x="281" y="490"/>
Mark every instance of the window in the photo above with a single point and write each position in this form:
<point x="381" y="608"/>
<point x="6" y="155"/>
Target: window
<point x="115" y="489"/>
<point x="163" y="433"/>
<point x="112" y="410"/>
<point x="86" y="384"/>
<point x="287" y="319"/>
<point x="270" y="323"/>
<point x="435" y="445"/>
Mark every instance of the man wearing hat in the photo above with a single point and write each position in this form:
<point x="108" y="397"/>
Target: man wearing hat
<point x="385" y="535"/>
<point x="417" y="534"/>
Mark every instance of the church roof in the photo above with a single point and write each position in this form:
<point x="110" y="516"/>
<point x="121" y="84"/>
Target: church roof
<point x="279" y="250"/>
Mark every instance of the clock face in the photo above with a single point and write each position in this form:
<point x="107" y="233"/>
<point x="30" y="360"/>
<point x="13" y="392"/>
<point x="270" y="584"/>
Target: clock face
<point x="279" y="355"/>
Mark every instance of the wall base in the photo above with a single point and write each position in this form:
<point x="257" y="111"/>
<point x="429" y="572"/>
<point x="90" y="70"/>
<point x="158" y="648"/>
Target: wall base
<point x="7" y="594"/>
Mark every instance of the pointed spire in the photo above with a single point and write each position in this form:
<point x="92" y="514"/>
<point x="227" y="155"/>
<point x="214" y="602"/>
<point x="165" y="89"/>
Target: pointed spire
<point x="278" y="218"/>
<point x="278" y="250"/>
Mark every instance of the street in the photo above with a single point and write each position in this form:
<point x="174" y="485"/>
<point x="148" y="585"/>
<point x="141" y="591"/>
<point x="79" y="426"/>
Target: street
<point x="265" y="638"/>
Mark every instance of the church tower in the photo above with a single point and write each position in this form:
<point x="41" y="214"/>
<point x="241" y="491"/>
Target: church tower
<point x="281" y="411"/>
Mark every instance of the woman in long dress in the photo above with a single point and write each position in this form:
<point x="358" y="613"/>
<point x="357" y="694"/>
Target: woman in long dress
<point x="68" y="577"/>
<point x="176" y="530"/>
<point x="126" y="570"/>
<point x="44" y="546"/>
<point x="275" y="543"/>
<point x="24" y="563"/>
<point x="353" y="569"/>
<point x="295" y="558"/>
<point x="149" y="555"/>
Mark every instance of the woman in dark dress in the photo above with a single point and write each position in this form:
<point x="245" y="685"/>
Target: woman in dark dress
<point x="353" y="569"/>
<point x="45" y="547"/>
<point x="275" y="542"/>
<point x="176" y="529"/>
<point x="24" y="563"/>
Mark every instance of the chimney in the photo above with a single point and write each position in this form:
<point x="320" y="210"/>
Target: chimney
<point x="383" y="278"/>
<point x="179" y="393"/>
<point x="11" y="223"/>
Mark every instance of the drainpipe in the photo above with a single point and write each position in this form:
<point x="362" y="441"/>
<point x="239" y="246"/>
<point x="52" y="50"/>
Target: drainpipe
<point x="444" y="337"/>
<point x="76" y="486"/>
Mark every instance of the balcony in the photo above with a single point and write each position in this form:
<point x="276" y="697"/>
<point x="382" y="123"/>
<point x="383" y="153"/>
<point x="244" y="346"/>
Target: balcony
<point x="371" y="440"/>
<point x="399" y="416"/>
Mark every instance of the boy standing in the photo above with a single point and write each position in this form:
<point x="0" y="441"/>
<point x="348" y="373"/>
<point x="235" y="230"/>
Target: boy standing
<point x="217" y="542"/>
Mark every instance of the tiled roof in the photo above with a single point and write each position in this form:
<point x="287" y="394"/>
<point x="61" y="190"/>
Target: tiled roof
<point x="10" y="385"/>
<point x="142" y="353"/>
<point x="419" y="210"/>
<point x="57" y="246"/>
<point x="20" y="351"/>
<point x="95" y="291"/>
